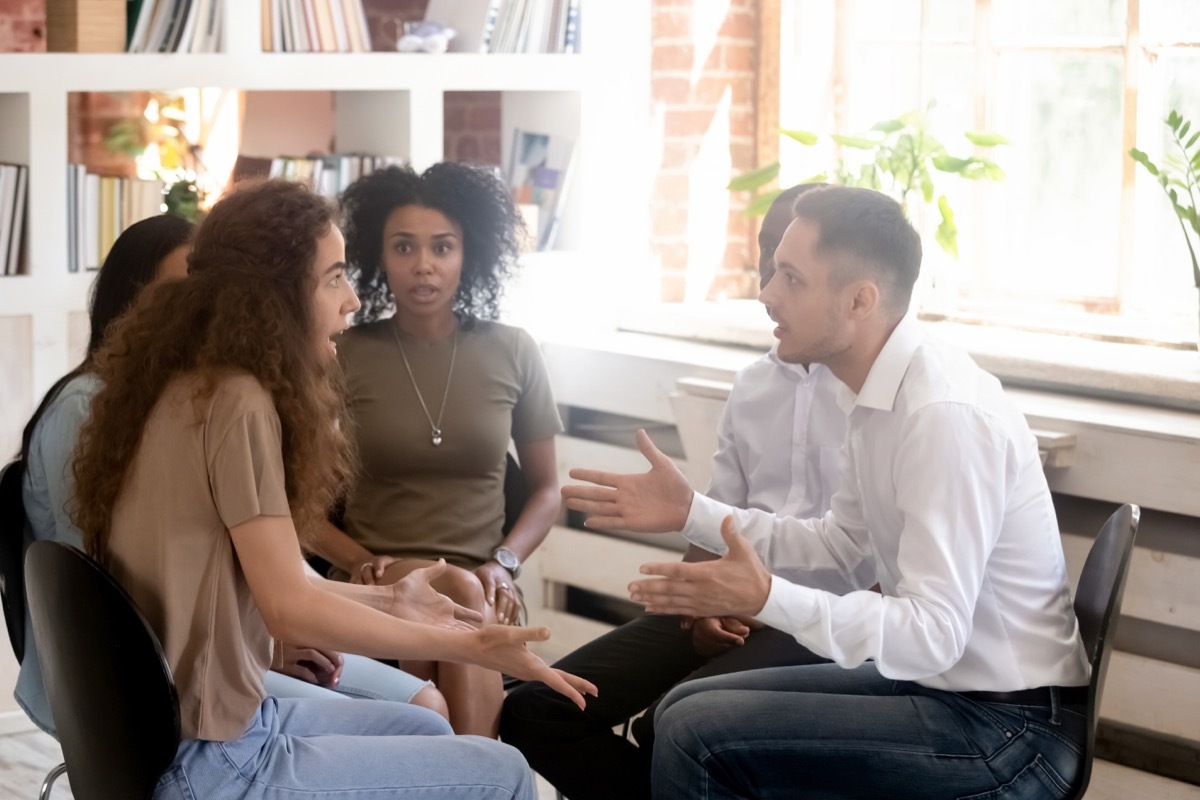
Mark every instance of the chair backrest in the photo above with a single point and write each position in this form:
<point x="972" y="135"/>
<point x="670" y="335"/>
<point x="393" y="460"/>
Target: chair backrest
<point x="110" y="688"/>
<point x="12" y="555"/>
<point x="1098" y="607"/>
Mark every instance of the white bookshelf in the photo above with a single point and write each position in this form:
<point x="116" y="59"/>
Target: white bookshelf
<point x="385" y="103"/>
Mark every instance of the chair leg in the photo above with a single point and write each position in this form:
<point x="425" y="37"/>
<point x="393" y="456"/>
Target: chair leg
<point x="51" y="777"/>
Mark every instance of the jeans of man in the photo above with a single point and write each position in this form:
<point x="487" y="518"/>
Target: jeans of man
<point x="632" y="666"/>
<point x="824" y="732"/>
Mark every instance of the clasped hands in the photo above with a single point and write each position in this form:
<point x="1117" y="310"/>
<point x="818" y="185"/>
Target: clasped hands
<point x="658" y="501"/>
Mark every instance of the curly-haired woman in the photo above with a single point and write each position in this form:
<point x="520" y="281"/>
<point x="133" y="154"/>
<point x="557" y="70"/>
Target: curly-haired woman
<point x="437" y="391"/>
<point x="213" y="450"/>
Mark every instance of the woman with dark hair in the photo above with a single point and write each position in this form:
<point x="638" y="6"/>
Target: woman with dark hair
<point x="437" y="391"/>
<point x="149" y="251"/>
<point x="215" y="447"/>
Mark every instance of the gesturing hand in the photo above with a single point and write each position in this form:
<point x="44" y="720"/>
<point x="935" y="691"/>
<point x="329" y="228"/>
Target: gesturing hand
<point x="370" y="573"/>
<point x="735" y="584"/>
<point x="502" y="648"/>
<point x="320" y="667"/>
<point x="415" y="600"/>
<point x="648" y="502"/>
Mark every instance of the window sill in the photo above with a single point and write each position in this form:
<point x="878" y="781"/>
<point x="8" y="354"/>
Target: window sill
<point x="1141" y="374"/>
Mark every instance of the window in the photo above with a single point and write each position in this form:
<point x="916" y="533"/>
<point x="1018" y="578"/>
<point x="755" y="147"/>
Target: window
<point x="1078" y="238"/>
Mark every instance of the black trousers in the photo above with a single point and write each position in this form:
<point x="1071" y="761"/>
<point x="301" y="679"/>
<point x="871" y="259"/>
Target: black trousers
<point x="633" y="667"/>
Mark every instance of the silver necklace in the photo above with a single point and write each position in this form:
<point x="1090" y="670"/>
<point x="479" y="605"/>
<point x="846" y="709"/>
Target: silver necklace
<point x="435" y="428"/>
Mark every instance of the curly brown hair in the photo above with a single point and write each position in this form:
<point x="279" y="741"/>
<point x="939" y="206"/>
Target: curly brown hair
<point x="245" y="306"/>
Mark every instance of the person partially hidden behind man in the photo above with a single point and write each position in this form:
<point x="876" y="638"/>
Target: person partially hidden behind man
<point x="757" y="465"/>
<point x="966" y="677"/>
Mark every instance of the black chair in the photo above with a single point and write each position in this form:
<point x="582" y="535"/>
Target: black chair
<point x="1098" y="607"/>
<point x="12" y="555"/>
<point x="110" y="687"/>
<point x="12" y="574"/>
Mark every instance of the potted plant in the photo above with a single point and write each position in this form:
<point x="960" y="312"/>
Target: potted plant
<point x="1178" y="178"/>
<point x="899" y="157"/>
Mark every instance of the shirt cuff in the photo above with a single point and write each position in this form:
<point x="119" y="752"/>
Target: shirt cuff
<point x="703" y="525"/>
<point x="790" y="607"/>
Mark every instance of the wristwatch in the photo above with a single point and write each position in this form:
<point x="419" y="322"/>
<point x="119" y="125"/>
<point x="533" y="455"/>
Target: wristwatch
<point x="508" y="559"/>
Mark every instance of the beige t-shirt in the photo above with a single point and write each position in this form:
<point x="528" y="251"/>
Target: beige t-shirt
<point x="202" y="467"/>
<point x="412" y="499"/>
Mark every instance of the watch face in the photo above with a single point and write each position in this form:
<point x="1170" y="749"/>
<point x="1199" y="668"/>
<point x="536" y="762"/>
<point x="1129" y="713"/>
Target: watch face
<point x="507" y="560"/>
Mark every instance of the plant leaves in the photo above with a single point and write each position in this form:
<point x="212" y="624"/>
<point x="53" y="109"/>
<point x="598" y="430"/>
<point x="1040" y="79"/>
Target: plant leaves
<point x="803" y="137"/>
<point x="950" y="163"/>
<point x="1144" y="160"/>
<point x="1187" y="126"/>
<point x="946" y="234"/>
<point x="1192" y="141"/>
<point x="985" y="139"/>
<point x="888" y="126"/>
<point x="761" y="203"/>
<point x="856" y="142"/>
<point x="927" y="186"/>
<point x="749" y="181"/>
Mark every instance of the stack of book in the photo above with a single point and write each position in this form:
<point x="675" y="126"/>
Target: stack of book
<point x="99" y="207"/>
<point x="329" y="175"/>
<point x="14" y="179"/>
<point x="175" y="26"/>
<point x="509" y="26"/>
<point x="315" y="26"/>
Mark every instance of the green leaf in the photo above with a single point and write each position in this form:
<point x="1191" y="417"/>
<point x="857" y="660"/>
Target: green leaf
<point x="1144" y="160"/>
<point x="761" y="203"/>
<point x="803" y="137"/>
<point x="946" y="234"/>
<point x="926" y="186"/>
<point x="1187" y="126"/>
<point x="992" y="170"/>
<point x="1193" y="140"/>
<point x="820" y="177"/>
<point x="752" y="180"/>
<point x="984" y="139"/>
<point x="888" y="126"/>
<point x="1173" y="119"/>
<point x="855" y="142"/>
<point x="950" y="163"/>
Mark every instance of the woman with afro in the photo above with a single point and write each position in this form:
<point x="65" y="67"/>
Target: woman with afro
<point x="437" y="391"/>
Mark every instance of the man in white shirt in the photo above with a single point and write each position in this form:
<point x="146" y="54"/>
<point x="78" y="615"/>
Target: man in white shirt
<point x="965" y="677"/>
<point x="757" y="465"/>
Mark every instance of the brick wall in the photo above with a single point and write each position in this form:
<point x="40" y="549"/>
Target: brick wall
<point x="691" y="71"/>
<point x="22" y="26"/>
<point x="89" y="117"/>
<point x="472" y="131"/>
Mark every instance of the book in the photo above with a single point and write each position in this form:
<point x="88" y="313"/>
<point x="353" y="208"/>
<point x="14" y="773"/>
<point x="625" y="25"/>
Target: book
<point x="538" y="174"/>
<point x="85" y="26"/>
<point x="469" y="18"/>
<point x="17" y="236"/>
<point x="8" y="200"/>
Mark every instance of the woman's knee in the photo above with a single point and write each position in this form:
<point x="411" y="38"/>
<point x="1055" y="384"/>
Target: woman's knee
<point x="462" y="586"/>
<point x="434" y="700"/>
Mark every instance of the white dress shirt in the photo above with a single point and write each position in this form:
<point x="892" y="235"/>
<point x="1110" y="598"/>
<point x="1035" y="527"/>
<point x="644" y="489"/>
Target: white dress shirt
<point x="942" y="490"/>
<point x="779" y="439"/>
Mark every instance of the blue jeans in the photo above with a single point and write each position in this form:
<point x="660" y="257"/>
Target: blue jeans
<point x="329" y="748"/>
<point x="818" y="732"/>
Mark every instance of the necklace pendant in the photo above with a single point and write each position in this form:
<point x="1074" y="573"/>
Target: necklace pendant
<point x="437" y="437"/>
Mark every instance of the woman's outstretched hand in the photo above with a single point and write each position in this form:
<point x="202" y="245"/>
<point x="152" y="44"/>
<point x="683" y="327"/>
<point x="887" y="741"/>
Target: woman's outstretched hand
<point x="502" y="648"/>
<point x="415" y="600"/>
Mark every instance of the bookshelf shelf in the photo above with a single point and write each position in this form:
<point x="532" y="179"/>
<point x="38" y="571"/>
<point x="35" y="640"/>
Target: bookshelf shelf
<point x="119" y="72"/>
<point x="384" y="103"/>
